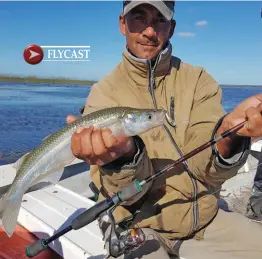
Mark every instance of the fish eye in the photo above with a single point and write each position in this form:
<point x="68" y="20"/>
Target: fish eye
<point x="149" y="116"/>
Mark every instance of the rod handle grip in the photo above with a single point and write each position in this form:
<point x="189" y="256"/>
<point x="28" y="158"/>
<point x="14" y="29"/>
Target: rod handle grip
<point x="35" y="248"/>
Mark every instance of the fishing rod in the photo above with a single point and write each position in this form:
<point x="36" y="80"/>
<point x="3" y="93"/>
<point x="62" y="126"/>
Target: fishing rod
<point x="124" y="194"/>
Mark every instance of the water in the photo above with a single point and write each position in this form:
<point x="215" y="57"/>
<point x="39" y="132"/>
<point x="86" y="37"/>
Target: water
<point x="31" y="112"/>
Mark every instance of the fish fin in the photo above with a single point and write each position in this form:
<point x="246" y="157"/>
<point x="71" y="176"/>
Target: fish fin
<point x="117" y="129"/>
<point x="4" y="189"/>
<point x="38" y="186"/>
<point x="2" y="205"/>
<point x="59" y="160"/>
<point x="56" y="162"/>
<point x="51" y="172"/>
<point x="9" y="214"/>
<point x="2" y="208"/>
<point x="42" y="181"/>
<point x="32" y="188"/>
<point x="20" y="161"/>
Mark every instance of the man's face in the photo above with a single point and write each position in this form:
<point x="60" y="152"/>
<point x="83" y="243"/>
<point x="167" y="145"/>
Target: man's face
<point x="146" y="30"/>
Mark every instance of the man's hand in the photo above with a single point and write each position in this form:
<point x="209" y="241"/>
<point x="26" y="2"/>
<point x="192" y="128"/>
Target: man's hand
<point x="99" y="147"/>
<point x="250" y="110"/>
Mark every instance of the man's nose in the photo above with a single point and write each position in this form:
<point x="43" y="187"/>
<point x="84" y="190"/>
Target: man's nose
<point x="150" y="31"/>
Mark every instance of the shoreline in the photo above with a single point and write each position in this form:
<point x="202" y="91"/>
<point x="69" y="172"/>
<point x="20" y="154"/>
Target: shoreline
<point x="239" y="86"/>
<point x="36" y="80"/>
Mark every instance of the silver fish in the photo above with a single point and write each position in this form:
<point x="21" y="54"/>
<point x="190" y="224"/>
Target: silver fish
<point x="46" y="162"/>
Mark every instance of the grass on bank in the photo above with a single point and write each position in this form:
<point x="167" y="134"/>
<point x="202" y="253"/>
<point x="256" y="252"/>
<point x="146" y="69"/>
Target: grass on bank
<point x="34" y="79"/>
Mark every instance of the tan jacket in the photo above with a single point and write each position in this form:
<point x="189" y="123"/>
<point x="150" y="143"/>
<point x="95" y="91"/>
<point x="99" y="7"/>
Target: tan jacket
<point x="168" y="205"/>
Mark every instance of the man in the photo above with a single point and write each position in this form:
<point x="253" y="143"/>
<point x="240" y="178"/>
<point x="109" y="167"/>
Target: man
<point x="181" y="205"/>
<point x="254" y="206"/>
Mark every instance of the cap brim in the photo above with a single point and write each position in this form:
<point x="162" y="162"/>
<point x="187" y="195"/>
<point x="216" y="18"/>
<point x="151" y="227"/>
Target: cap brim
<point x="159" y="5"/>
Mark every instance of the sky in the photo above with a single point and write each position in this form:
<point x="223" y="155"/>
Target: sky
<point x="223" y="37"/>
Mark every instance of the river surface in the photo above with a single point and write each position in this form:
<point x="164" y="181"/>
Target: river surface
<point x="30" y="112"/>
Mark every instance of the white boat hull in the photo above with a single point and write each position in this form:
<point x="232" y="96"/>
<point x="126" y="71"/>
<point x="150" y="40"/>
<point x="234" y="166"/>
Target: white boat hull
<point x="45" y="211"/>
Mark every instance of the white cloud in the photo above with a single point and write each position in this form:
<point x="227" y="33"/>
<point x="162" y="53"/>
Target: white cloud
<point x="201" y="23"/>
<point x="186" y="34"/>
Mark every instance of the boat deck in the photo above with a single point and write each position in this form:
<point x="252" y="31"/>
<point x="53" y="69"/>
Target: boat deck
<point x="45" y="211"/>
<point x="14" y="247"/>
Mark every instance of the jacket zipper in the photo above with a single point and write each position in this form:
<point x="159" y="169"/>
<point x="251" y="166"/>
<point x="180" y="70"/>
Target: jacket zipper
<point x="171" y="118"/>
<point x="172" y="105"/>
<point x="172" y="108"/>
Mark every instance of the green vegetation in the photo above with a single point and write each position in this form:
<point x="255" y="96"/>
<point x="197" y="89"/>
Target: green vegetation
<point x="35" y="80"/>
<point x="230" y="86"/>
<point x="67" y="81"/>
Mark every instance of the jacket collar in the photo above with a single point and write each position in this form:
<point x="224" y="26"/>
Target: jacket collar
<point x="138" y="70"/>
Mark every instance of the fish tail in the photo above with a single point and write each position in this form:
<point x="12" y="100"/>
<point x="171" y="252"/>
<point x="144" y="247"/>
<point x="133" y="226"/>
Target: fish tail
<point x="3" y="190"/>
<point x="2" y="205"/>
<point x="9" y="210"/>
<point x="2" y="208"/>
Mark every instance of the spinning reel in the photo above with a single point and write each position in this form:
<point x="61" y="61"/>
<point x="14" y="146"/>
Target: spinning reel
<point x="121" y="241"/>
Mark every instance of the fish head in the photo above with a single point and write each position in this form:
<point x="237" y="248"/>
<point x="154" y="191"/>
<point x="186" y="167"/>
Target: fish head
<point x="140" y="121"/>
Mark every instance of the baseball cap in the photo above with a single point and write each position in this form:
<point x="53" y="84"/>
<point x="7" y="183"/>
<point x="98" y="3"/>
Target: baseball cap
<point x="166" y="8"/>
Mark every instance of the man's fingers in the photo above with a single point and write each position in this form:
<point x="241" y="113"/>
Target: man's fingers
<point x="114" y="144"/>
<point x="259" y="97"/>
<point x="259" y="107"/>
<point x="254" y="123"/>
<point x="76" y="145"/>
<point x="99" y="148"/>
<point x="108" y="139"/>
<point x="86" y="143"/>
<point x="71" y="118"/>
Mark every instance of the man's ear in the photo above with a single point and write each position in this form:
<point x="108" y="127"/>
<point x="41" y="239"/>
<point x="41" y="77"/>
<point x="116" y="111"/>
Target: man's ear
<point x="122" y="24"/>
<point x="173" y="26"/>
